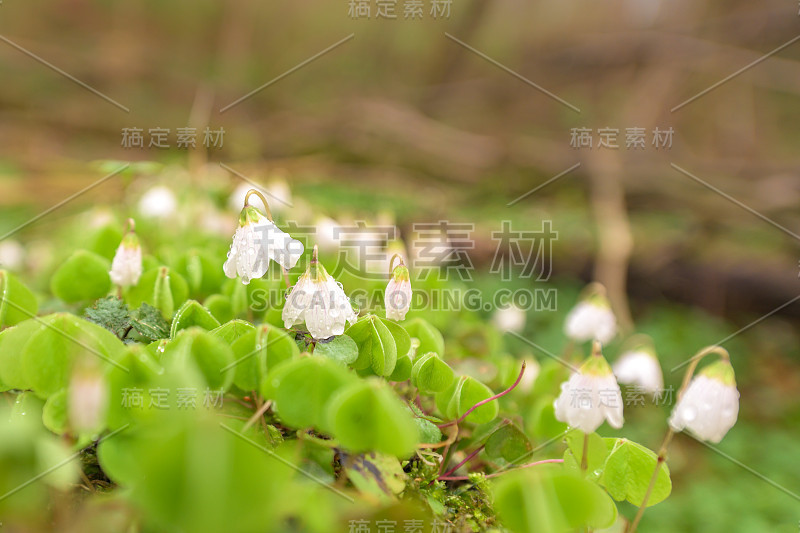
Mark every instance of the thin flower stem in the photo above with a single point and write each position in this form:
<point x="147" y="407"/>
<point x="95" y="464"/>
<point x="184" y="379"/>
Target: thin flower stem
<point x="446" y="454"/>
<point x="487" y="400"/>
<point x="662" y="452"/>
<point x="260" y="417"/>
<point x="258" y="414"/>
<point x="286" y="278"/>
<point x="566" y="355"/>
<point x="391" y="262"/>
<point x="528" y="465"/>
<point x="462" y="463"/>
<point x="263" y="200"/>
<point x="584" y="460"/>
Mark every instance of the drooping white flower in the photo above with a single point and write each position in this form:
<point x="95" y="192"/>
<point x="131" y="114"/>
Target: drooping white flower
<point x="510" y="318"/>
<point x="590" y="396"/>
<point x="639" y="367"/>
<point x="158" y="202"/>
<point x="591" y="319"/>
<point x="397" y="297"/>
<point x="256" y="241"/>
<point x="127" y="264"/>
<point x="318" y="300"/>
<point x="87" y="400"/>
<point x="12" y="254"/>
<point x="710" y="405"/>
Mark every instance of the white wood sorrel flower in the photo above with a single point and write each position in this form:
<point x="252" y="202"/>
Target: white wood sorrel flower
<point x="509" y="318"/>
<point x="256" y="241"/>
<point x="592" y="318"/>
<point x="710" y="405"/>
<point x="158" y="202"/>
<point x="318" y="300"/>
<point x="126" y="268"/>
<point x="640" y="367"/>
<point x="398" y="293"/>
<point x="590" y="396"/>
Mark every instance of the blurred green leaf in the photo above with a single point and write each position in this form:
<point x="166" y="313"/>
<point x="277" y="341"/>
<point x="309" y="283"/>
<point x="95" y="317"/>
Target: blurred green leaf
<point x="82" y="277"/>
<point x="17" y="302"/>
<point x="367" y="415"/>
<point x="259" y="351"/>
<point x="302" y="389"/>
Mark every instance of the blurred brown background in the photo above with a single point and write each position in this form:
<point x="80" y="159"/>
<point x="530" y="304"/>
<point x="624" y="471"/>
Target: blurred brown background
<point x="401" y="104"/>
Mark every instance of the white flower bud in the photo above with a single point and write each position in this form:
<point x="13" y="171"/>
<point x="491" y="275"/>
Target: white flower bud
<point x="257" y="241"/>
<point x="127" y="264"/>
<point x="398" y="294"/>
<point x="710" y="405"/>
<point x="590" y="396"/>
<point x="591" y="319"/>
<point x="639" y="367"/>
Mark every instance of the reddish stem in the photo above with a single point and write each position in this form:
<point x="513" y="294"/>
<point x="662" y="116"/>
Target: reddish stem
<point x="487" y="400"/>
<point x="465" y="478"/>
<point x="462" y="463"/>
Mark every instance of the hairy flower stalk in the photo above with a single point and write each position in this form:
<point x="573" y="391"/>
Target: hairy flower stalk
<point x="318" y="300"/>
<point x="707" y="405"/>
<point x="126" y="268"/>
<point x="590" y="396"/>
<point x="398" y="292"/>
<point x="592" y="318"/>
<point x="257" y="241"/>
